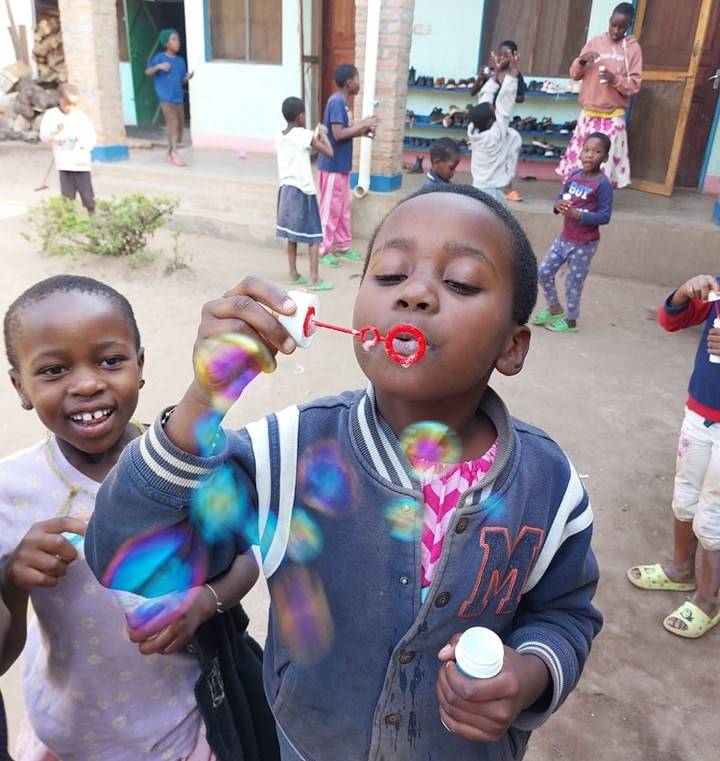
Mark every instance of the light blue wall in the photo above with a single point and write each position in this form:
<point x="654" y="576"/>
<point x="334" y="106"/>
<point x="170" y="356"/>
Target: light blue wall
<point x="713" y="167"/>
<point x="128" y="95"/>
<point x="454" y="38"/>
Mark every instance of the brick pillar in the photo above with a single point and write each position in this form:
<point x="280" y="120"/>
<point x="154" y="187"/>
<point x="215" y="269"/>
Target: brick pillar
<point x="90" y="38"/>
<point x="396" y="20"/>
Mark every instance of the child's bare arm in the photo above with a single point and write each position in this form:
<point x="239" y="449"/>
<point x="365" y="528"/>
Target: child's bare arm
<point x="696" y="289"/>
<point x="359" y="129"/>
<point x="320" y="142"/>
<point x="218" y="595"/>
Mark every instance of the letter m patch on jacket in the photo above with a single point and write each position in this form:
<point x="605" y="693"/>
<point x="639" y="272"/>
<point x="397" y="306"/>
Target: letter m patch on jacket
<point x="504" y="570"/>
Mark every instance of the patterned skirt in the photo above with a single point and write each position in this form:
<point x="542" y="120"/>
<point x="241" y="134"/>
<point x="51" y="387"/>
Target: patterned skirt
<point x="617" y="167"/>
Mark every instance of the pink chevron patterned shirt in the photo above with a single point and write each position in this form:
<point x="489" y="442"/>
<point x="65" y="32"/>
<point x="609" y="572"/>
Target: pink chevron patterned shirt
<point x="442" y="486"/>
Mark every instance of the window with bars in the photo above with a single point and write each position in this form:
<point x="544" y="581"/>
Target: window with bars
<point x="245" y="30"/>
<point x="549" y="33"/>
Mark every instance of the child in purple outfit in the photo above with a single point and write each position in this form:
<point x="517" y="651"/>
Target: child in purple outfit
<point x="586" y="203"/>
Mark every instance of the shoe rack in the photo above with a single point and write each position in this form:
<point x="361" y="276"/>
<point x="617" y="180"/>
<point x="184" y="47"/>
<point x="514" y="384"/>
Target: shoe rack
<point x="542" y="121"/>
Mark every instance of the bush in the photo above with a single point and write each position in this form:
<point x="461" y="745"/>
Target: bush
<point x="120" y="227"/>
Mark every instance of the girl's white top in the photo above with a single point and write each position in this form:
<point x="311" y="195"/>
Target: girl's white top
<point x="72" y="136"/>
<point x="89" y="693"/>
<point x="479" y="653"/>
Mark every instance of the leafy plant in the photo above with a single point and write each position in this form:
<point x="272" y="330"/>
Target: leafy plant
<point x="119" y="227"/>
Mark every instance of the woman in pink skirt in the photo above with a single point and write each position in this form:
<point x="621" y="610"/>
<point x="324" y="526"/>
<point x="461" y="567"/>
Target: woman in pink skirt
<point x="610" y="67"/>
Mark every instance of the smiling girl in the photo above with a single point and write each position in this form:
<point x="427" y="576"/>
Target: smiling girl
<point x="91" y="693"/>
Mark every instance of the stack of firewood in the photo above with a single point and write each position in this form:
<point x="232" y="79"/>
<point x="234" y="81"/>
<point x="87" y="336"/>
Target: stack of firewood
<point x="48" y="53"/>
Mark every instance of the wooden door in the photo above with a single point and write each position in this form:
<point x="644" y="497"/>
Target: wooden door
<point x="672" y="35"/>
<point x="702" y="108"/>
<point x="338" y="40"/>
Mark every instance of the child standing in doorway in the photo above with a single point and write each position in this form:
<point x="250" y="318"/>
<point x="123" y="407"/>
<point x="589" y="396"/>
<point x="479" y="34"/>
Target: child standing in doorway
<point x="94" y="688"/>
<point x="696" y="498"/>
<point x="298" y="216"/>
<point x="586" y="203"/>
<point x="171" y="76"/>
<point x="500" y="548"/>
<point x="73" y="137"/>
<point x="334" y="171"/>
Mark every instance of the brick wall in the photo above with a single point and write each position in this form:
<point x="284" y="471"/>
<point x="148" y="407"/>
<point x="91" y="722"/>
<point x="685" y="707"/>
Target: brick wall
<point x="90" y="38"/>
<point x="396" y="19"/>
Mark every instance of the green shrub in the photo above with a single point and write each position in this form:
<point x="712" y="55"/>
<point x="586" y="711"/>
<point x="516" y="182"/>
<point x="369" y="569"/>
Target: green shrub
<point x="120" y="227"/>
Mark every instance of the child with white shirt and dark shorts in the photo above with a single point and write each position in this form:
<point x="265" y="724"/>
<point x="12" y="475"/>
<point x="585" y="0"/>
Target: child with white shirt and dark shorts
<point x="298" y="215"/>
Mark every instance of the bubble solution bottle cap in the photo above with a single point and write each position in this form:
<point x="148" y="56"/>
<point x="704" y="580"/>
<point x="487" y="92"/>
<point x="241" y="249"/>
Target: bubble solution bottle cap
<point x="479" y="653"/>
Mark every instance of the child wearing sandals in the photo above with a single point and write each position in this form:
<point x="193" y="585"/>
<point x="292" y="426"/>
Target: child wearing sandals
<point x="94" y="689"/>
<point x="586" y="203"/>
<point x="696" y="498"/>
<point x="298" y="215"/>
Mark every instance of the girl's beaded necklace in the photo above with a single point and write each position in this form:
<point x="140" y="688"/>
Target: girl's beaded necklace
<point x="73" y="489"/>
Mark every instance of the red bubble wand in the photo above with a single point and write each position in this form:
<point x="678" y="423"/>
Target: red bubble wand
<point x="370" y="337"/>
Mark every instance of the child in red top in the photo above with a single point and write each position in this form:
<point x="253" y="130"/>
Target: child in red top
<point x="586" y="203"/>
<point x="696" y="498"/>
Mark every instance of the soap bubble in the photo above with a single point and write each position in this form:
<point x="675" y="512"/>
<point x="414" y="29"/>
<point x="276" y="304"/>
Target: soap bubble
<point x="157" y="564"/>
<point x="219" y="508"/>
<point x="430" y="443"/>
<point x="325" y="482"/>
<point x="405" y="516"/>
<point x="160" y="611"/>
<point x="302" y="612"/>
<point x="494" y="506"/>
<point x="224" y="365"/>
<point x="305" y="542"/>
<point x="207" y="433"/>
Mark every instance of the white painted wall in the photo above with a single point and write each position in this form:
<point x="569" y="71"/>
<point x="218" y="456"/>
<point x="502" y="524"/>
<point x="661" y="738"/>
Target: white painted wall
<point x="236" y="104"/>
<point x="23" y="13"/>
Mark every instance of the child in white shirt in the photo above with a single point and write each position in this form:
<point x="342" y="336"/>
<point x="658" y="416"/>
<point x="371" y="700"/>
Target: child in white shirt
<point x="73" y="137"/>
<point x="489" y="133"/>
<point x="298" y="215"/>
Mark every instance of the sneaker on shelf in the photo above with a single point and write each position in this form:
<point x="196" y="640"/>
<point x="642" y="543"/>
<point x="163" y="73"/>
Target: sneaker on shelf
<point x="440" y="82"/>
<point x="539" y="143"/>
<point x="418" y="166"/>
<point x="451" y="84"/>
<point x="411" y="76"/>
<point x="436" y="115"/>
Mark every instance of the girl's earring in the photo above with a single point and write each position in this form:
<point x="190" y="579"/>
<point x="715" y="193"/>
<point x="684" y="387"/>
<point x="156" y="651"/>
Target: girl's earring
<point x="25" y="404"/>
<point x="142" y="382"/>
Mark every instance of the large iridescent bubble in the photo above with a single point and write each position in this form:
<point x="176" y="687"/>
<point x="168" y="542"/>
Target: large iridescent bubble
<point x="302" y="613"/>
<point x="405" y="516"/>
<point x="325" y="482"/>
<point x="429" y="443"/>
<point x="225" y="365"/>
<point x="219" y="509"/>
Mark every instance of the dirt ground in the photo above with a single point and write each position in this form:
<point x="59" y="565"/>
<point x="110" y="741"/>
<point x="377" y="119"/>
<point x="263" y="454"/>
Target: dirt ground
<point x="612" y="396"/>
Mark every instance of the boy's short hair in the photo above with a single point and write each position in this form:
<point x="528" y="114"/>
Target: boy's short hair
<point x="625" y="9"/>
<point x="68" y="91"/>
<point x="63" y="284"/>
<point x="482" y="116"/>
<point x="444" y="149"/>
<point x="292" y="108"/>
<point x="344" y="73"/>
<point x="510" y="45"/>
<point x="603" y="138"/>
<point x="524" y="263"/>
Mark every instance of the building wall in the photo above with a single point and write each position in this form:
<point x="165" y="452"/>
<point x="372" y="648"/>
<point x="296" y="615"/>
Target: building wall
<point x="24" y="14"/>
<point x="235" y="104"/>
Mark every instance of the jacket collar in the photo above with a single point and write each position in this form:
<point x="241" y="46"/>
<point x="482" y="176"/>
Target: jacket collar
<point x="382" y="452"/>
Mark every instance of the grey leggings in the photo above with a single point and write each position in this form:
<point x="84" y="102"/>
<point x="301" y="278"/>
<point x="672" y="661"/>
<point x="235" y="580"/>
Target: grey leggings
<point x="579" y="257"/>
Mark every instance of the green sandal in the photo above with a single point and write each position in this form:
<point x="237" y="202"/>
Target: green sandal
<point x="322" y="285"/>
<point x="544" y="317"/>
<point x="301" y="280"/>
<point x="559" y="325"/>
<point x="350" y="254"/>
<point x="330" y="260"/>
<point x="653" y="577"/>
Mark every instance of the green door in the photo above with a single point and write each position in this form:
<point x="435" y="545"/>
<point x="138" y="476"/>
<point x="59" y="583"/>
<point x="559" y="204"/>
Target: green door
<point x="142" y="35"/>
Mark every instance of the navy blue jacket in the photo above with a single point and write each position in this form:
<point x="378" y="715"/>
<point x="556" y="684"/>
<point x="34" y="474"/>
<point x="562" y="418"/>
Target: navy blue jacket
<point x="516" y="559"/>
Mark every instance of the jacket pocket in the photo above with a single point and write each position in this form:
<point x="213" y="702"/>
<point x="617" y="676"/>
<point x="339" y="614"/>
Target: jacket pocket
<point x="286" y="687"/>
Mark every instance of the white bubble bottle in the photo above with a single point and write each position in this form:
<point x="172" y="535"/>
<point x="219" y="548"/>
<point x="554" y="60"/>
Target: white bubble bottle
<point x="714" y="358"/>
<point x="479" y="653"/>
